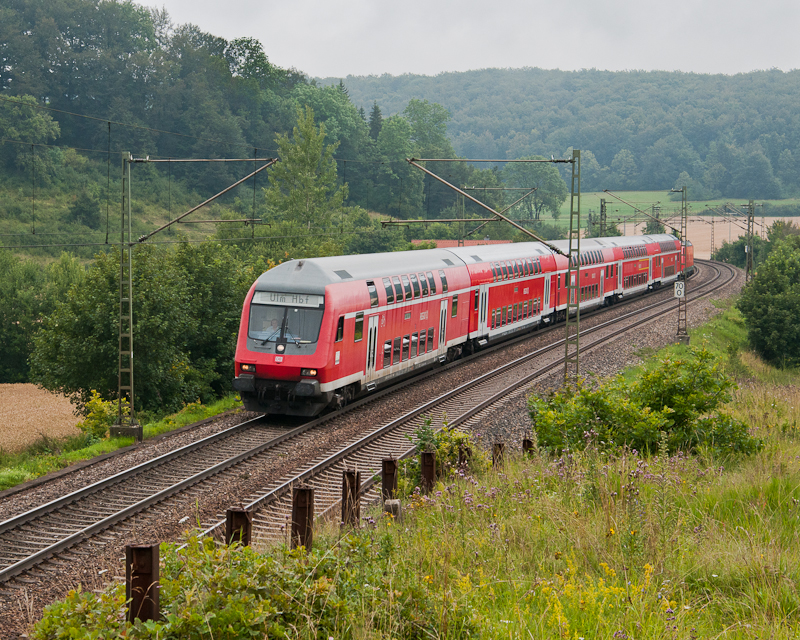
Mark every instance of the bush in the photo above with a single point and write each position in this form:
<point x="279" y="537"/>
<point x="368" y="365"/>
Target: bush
<point x="446" y="444"/>
<point x="220" y="592"/>
<point x="770" y="304"/>
<point x="679" y="396"/>
<point x="575" y="418"/>
<point x="100" y="415"/>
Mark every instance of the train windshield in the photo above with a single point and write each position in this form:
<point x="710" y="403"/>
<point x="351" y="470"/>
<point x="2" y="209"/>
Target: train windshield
<point x="287" y="317"/>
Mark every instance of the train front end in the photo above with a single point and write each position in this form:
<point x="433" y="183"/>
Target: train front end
<point x="282" y="348"/>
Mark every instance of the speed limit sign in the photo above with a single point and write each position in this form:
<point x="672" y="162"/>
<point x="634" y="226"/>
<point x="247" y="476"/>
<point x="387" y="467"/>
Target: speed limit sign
<point x="680" y="289"/>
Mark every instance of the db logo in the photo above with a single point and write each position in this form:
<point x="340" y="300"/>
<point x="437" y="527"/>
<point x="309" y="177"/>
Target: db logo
<point x="278" y="359"/>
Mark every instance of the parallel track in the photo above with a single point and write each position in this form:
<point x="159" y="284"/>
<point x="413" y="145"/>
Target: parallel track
<point x="30" y="539"/>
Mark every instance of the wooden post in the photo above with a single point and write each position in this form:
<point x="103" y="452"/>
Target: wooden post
<point x="464" y="456"/>
<point x="239" y="526"/>
<point x="141" y="582"/>
<point x="351" y="499"/>
<point x="497" y="455"/>
<point x="428" y="466"/>
<point x="303" y="517"/>
<point x="388" y="478"/>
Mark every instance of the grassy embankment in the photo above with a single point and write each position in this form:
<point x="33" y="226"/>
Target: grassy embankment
<point x="51" y="454"/>
<point x="586" y="545"/>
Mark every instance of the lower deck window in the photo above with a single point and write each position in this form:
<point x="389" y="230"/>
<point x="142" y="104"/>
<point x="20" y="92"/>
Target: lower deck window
<point x="396" y="350"/>
<point x="430" y="339"/>
<point x="387" y="354"/>
<point x="414" y="345"/>
<point x="406" y="343"/>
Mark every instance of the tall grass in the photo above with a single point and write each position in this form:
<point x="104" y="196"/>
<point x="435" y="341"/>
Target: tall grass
<point x="591" y="544"/>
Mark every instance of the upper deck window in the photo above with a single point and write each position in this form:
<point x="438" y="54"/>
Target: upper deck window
<point x="398" y="288"/>
<point x="431" y="282"/>
<point x="423" y="283"/>
<point x="406" y="286"/>
<point x="414" y="284"/>
<point x="373" y="293"/>
<point x="444" y="281"/>
<point x="387" y="284"/>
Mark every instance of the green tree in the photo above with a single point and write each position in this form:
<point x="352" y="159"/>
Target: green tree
<point x="770" y="304"/>
<point x="185" y="312"/>
<point x="303" y="186"/>
<point x="85" y="209"/>
<point x="551" y="190"/>
<point x="734" y="252"/>
<point x="28" y="292"/>
<point x="375" y="121"/>
<point x="21" y="284"/>
<point x="399" y="185"/>
<point x="21" y="121"/>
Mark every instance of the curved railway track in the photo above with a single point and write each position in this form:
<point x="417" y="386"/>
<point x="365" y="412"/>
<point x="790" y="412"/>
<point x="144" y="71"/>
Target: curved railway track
<point x="84" y="521"/>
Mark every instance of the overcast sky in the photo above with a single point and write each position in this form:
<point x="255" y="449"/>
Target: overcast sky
<point x="363" y="37"/>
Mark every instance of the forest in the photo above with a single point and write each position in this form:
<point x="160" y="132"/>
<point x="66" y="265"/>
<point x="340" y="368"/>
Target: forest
<point x="734" y="136"/>
<point x="82" y="81"/>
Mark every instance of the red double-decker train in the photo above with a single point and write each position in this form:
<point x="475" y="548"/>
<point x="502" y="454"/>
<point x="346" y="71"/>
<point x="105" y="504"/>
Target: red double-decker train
<point x="319" y="332"/>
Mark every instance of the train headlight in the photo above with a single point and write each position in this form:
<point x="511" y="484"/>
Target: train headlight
<point x="280" y="348"/>
<point x="250" y="368"/>
<point x="308" y="372"/>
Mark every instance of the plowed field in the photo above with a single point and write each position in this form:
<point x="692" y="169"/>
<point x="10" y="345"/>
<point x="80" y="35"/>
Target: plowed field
<point x="27" y="412"/>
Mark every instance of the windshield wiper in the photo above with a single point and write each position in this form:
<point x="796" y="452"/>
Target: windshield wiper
<point x="270" y="337"/>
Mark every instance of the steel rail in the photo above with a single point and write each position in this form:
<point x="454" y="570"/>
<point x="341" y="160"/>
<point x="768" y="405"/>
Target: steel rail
<point x="285" y="487"/>
<point x="541" y="330"/>
<point x="104" y="523"/>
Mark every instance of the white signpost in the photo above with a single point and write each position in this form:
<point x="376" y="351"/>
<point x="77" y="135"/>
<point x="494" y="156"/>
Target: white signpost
<point x="680" y="289"/>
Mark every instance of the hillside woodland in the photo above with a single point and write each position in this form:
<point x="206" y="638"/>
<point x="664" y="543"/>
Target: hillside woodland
<point x="157" y="89"/>
<point x="720" y="135"/>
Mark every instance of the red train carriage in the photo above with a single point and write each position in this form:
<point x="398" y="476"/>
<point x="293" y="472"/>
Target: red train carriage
<point x="317" y="333"/>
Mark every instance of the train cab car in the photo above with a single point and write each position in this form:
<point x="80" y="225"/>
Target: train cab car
<point x="317" y="333"/>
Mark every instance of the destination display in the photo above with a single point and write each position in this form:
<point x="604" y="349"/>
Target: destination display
<point x="288" y="299"/>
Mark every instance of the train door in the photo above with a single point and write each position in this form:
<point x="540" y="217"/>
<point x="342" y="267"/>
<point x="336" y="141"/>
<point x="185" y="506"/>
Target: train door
<point x="619" y="277"/>
<point x="372" y="347"/>
<point x="483" y="292"/>
<point x="442" y="349"/>
<point x="546" y="303"/>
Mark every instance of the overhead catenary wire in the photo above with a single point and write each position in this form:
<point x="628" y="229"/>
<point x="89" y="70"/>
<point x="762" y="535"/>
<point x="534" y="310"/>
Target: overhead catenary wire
<point x="199" y="240"/>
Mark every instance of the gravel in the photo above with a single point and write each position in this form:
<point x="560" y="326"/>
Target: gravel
<point x="507" y="422"/>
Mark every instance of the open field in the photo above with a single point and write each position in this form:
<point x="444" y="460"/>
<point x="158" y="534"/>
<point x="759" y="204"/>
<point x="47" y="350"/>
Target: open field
<point x="28" y="412"/>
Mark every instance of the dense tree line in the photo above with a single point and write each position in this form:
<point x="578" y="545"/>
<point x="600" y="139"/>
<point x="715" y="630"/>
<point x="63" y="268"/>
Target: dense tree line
<point x="174" y="91"/>
<point x="734" y="136"/>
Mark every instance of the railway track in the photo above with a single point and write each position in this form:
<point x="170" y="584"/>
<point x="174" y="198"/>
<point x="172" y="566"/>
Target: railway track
<point x="83" y="522"/>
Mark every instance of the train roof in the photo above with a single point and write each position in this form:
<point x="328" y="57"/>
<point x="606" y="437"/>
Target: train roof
<point x="312" y="275"/>
<point x="492" y="252"/>
<point x="588" y="244"/>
